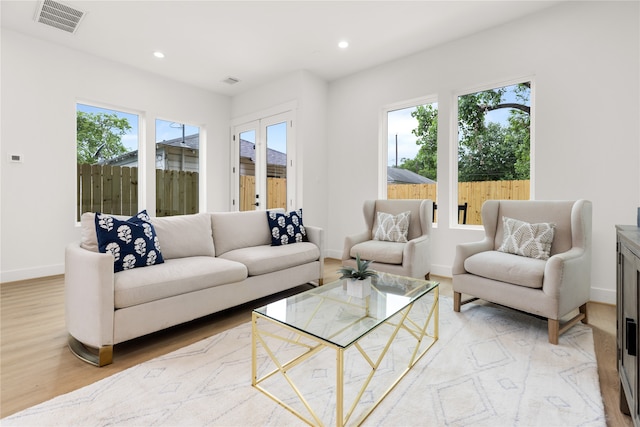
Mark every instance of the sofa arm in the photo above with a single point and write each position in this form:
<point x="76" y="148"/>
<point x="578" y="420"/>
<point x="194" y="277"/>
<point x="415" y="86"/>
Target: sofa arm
<point x="351" y="241"/>
<point x="316" y="236"/>
<point x="89" y="295"/>
<point x="417" y="255"/>
<point x="465" y="250"/>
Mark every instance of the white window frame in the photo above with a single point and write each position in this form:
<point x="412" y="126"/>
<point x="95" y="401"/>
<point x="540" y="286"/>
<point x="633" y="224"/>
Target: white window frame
<point x="383" y="144"/>
<point x="453" y="154"/>
<point x="142" y="149"/>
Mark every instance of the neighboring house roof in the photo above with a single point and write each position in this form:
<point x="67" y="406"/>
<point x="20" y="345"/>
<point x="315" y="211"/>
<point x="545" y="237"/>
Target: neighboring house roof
<point x="404" y="176"/>
<point x="191" y="141"/>
<point x="247" y="149"/>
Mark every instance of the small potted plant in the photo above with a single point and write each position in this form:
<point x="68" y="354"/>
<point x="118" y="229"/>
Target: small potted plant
<point x="359" y="278"/>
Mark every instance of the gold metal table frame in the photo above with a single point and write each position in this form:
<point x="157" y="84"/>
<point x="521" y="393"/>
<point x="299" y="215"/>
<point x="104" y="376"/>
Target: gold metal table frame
<point x="424" y="331"/>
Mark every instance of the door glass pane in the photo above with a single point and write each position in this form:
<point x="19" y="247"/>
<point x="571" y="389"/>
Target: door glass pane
<point x="277" y="166"/>
<point x="177" y="168"/>
<point x="247" y="173"/>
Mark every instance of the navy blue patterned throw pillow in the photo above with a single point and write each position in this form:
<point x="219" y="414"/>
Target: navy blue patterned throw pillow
<point x="133" y="242"/>
<point x="286" y="228"/>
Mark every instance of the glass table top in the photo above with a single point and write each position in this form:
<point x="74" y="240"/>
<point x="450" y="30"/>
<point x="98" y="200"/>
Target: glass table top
<point x="328" y="312"/>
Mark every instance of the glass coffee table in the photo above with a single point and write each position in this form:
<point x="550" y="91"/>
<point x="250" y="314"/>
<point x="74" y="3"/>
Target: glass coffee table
<point x="372" y="342"/>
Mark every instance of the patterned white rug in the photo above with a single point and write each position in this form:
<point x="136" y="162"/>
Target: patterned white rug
<point x="491" y="367"/>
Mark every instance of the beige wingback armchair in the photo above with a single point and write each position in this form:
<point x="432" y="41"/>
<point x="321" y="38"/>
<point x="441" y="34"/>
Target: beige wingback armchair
<point x="551" y="288"/>
<point x="411" y="258"/>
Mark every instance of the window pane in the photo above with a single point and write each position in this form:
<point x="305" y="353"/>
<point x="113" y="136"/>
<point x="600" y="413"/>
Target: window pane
<point x="177" y="168"/>
<point x="493" y="147"/>
<point x="412" y="152"/>
<point x="107" y="159"/>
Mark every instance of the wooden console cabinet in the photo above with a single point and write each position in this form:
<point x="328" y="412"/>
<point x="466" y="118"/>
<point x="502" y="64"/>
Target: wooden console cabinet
<point x="628" y="296"/>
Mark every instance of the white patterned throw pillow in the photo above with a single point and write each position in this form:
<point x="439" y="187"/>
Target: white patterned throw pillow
<point x="392" y="228"/>
<point x="529" y="240"/>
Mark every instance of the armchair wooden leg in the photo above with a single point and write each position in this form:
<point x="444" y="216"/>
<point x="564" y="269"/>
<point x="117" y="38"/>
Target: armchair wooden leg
<point x="554" y="330"/>
<point x="427" y="276"/>
<point x="457" y="297"/>
<point x="554" y="325"/>
<point x="583" y="310"/>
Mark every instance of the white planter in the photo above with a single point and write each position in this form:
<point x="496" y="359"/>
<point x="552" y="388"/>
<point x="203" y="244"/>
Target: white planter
<point x="359" y="288"/>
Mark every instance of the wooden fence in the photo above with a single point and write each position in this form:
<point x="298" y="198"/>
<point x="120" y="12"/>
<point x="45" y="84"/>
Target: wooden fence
<point x="276" y="193"/>
<point x="114" y="190"/>
<point x="472" y="193"/>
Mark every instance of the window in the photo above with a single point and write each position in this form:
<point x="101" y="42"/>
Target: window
<point x="107" y="161"/>
<point x="177" y="168"/>
<point x="412" y="151"/>
<point x="493" y="146"/>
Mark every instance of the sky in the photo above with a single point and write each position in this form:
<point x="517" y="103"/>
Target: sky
<point x="276" y="136"/>
<point x="165" y="130"/>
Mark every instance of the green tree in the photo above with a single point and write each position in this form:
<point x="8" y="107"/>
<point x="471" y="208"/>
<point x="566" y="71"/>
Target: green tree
<point x="99" y="136"/>
<point x="486" y="151"/>
<point x="490" y="156"/>
<point x="480" y="142"/>
<point x="426" y="161"/>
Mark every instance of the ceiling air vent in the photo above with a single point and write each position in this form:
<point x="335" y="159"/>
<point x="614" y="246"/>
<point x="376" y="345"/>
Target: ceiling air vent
<point x="59" y="16"/>
<point x="231" y="80"/>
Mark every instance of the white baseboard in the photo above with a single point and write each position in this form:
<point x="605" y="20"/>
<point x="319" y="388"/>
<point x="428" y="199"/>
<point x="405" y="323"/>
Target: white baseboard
<point x="333" y="254"/>
<point x="441" y="270"/>
<point x="606" y="296"/>
<point x="31" y="273"/>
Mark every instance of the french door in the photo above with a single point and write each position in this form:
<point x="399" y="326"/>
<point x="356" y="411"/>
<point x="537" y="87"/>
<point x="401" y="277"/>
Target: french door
<point x="263" y="174"/>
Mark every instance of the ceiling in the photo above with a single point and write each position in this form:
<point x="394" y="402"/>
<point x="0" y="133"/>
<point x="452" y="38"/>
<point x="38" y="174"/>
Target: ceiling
<point x="206" y="42"/>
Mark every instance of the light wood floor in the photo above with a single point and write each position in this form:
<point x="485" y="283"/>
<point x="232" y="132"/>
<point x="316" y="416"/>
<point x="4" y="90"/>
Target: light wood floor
<point x="36" y="365"/>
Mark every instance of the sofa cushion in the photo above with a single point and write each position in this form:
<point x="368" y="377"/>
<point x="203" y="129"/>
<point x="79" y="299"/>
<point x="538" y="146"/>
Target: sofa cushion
<point x="184" y="235"/>
<point x="379" y="251"/>
<point x="88" y="237"/>
<point x="286" y="228"/>
<point x="391" y="228"/>
<point x="132" y="242"/>
<point x="174" y="277"/>
<point x="525" y="239"/>
<point x="235" y="230"/>
<point x="266" y="258"/>
<point x="507" y="268"/>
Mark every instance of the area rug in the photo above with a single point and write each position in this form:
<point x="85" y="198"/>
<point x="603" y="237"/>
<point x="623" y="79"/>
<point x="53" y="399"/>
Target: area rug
<point x="491" y="366"/>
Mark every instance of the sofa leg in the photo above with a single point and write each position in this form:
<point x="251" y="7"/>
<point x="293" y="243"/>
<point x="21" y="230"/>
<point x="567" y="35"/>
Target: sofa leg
<point x="457" y="297"/>
<point x="427" y="276"/>
<point x="97" y="357"/>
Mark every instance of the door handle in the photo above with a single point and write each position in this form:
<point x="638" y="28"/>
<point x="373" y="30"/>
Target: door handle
<point x="631" y="342"/>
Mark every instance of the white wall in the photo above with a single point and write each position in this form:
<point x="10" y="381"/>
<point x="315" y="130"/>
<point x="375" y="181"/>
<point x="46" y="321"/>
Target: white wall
<point x="583" y="57"/>
<point x="41" y="83"/>
<point x="584" y="61"/>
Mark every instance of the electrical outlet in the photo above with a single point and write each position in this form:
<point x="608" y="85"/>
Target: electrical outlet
<point x="15" y="158"/>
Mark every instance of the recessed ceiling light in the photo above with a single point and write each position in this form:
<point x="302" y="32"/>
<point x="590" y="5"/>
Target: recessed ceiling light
<point x="158" y="54"/>
<point x="343" y="44"/>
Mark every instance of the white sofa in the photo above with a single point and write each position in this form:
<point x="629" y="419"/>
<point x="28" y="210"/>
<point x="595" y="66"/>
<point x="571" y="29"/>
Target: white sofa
<point x="212" y="261"/>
